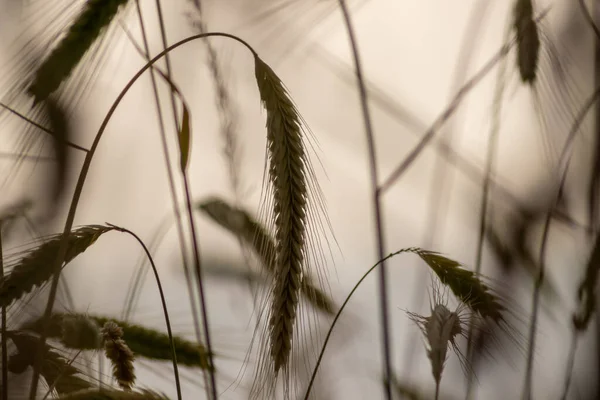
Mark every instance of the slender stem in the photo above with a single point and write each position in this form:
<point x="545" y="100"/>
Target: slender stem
<point x="339" y="313"/>
<point x="170" y="175"/>
<point x="564" y="162"/>
<point x="195" y="246"/>
<point x="79" y="189"/>
<point x="198" y="269"/>
<point x="4" y="338"/>
<point x="383" y="300"/>
<point x="164" y="306"/>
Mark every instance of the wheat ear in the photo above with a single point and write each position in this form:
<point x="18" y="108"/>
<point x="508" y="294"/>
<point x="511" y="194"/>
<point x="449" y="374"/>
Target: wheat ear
<point x="287" y="176"/>
<point x="95" y="17"/>
<point x="35" y="268"/>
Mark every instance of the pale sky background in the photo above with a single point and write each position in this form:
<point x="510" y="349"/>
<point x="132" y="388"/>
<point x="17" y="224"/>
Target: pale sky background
<point x="410" y="51"/>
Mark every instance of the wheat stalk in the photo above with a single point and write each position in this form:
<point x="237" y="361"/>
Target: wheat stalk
<point x="95" y="17"/>
<point x="119" y="354"/>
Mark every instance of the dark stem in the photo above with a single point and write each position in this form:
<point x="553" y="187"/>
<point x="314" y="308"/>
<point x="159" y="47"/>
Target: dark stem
<point x="164" y="306"/>
<point x="383" y="297"/>
<point x="170" y="174"/>
<point x="339" y="313"/>
<point x="198" y="269"/>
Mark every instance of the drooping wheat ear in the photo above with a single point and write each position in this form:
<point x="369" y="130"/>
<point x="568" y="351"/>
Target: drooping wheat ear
<point x="144" y="342"/>
<point x="119" y="354"/>
<point x="528" y="40"/>
<point x="586" y="292"/>
<point x="465" y="285"/>
<point x="57" y="372"/>
<point x="111" y="394"/>
<point x="253" y="233"/>
<point x="95" y="17"/>
<point x="287" y="161"/>
<point x="35" y="268"/>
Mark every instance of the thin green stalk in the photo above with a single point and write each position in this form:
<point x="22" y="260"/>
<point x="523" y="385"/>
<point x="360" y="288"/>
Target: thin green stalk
<point x="4" y="338"/>
<point x="79" y="189"/>
<point x="383" y="300"/>
<point x="564" y="162"/>
<point x="339" y="313"/>
<point x="164" y="306"/>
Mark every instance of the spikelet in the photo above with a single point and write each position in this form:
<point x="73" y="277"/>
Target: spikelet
<point x="110" y="394"/>
<point x="119" y="354"/>
<point x="36" y="267"/>
<point x="95" y="17"/>
<point x="528" y="40"/>
<point x="254" y="234"/>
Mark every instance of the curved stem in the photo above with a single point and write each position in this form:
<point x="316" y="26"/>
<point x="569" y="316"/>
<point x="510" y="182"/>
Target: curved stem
<point x="164" y="305"/>
<point x="383" y="300"/>
<point x="170" y="174"/>
<point x="339" y="313"/>
<point x="79" y="189"/>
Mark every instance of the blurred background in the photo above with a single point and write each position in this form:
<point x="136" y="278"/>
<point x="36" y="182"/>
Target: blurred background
<point x="416" y="57"/>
